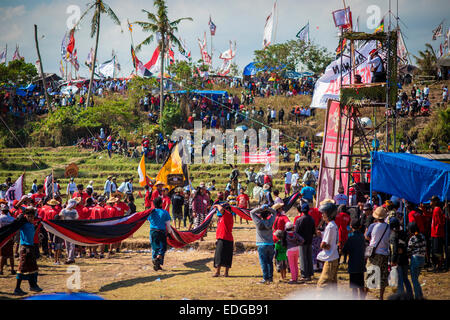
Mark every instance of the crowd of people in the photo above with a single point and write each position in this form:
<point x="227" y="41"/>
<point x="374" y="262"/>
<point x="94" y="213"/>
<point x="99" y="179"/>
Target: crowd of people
<point x="316" y="240"/>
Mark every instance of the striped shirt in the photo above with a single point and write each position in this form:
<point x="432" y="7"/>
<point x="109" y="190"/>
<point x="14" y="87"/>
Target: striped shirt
<point x="417" y="245"/>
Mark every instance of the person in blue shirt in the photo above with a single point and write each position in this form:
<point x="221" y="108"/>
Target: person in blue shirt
<point x="308" y="193"/>
<point x="159" y="226"/>
<point x="28" y="269"/>
<point x="109" y="147"/>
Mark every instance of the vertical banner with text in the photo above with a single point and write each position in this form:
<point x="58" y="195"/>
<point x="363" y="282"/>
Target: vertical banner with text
<point x="335" y="150"/>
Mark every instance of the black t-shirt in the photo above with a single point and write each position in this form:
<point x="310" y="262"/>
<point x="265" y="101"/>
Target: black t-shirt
<point x="177" y="203"/>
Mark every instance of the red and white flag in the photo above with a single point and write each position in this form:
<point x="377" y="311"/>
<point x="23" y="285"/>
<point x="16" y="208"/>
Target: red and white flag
<point x="16" y="55"/>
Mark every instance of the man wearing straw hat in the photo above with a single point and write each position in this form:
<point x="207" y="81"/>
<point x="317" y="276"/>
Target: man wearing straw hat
<point x="69" y="213"/>
<point x="378" y="235"/>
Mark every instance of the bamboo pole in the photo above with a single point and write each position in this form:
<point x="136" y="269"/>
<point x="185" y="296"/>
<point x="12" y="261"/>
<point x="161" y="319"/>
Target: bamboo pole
<point x="41" y="69"/>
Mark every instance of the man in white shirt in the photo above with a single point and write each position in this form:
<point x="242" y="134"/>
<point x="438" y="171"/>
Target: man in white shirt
<point x="294" y="181"/>
<point x="107" y="187"/>
<point x="297" y="160"/>
<point x="71" y="188"/>
<point x="329" y="254"/>
<point x="287" y="182"/>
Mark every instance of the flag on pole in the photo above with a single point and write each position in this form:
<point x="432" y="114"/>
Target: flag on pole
<point x="15" y="192"/>
<point x="71" y="45"/>
<point x="3" y="56"/>
<point x="90" y="59"/>
<point x="142" y="173"/>
<point x="341" y="47"/>
<point x="303" y="34"/>
<point x="212" y="27"/>
<point x="154" y="65"/>
<point x="268" y="27"/>
<point x="74" y="60"/>
<point x="380" y="27"/>
<point x="64" y="47"/>
<point x="204" y="52"/>
<point x="16" y="55"/>
<point x="130" y="26"/>
<point x="139" y="66"/>
<point x="48" y="185"/>
<point x="61" y="69"/>
<point x="438" y="31"/>
<point x="342" y="18"/>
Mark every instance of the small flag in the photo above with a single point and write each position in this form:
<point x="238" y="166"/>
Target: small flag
<point x="142" y="173"/>
<point x="71" y="45"/>
<point x="303" y="34"/>
<point x="380" y="27"/>
<point x="16" y="55"/>
<point x="3" y="56"/>
<point x="341" y="47"/>
<point x="212" y="27"/>
<point x="61" y="69"/>
<point x="130" y="26"/>
<point x="438" y="31"/>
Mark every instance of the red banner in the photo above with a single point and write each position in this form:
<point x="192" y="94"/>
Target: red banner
<point x="335" y="151"/>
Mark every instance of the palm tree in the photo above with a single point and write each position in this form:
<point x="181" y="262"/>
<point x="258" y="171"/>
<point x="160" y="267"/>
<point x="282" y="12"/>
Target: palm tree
<point x="159" y="24"/>
<point x="100" y="7"/>
<point x="427" y="61"/>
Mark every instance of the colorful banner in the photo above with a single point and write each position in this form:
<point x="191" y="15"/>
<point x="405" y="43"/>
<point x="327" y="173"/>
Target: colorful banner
<point x="255" y="158"/>
<point x="334" y="162"/>
<point x="329" y="85"/>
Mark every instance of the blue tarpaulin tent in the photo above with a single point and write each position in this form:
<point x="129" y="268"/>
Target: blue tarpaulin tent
<point x="410" y="177"/>
<point x="250" y="69"/>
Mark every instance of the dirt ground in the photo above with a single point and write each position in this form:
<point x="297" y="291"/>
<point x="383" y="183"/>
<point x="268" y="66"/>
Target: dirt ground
<point x="187" y="274"/>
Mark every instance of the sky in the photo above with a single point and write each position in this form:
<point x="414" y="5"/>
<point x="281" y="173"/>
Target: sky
<point x="236" y="20"/>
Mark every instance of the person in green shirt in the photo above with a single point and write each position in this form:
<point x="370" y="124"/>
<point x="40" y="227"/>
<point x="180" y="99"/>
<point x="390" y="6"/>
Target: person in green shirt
<point x="280" y="255"/>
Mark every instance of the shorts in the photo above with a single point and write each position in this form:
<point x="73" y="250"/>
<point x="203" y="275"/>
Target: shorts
<point x="57" y="246"/>
<point x="357" y="280"/>
<point x="437" y="246"/>
<point x="281" y="265"/>
<point x="7" y="250"/>
<point x="328" y="277"/>
<point x="381" y="261"/>
<point x="177" y="215"/>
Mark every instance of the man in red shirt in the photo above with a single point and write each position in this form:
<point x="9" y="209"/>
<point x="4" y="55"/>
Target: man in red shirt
<point x="415" y="216"/>
<point x="85" y="214"/>
<point x="39" y="196"/>
<point x="47" y="212"/>
<point x="243" y="201"/>
<point x="147" y="198"/>
<point x="121" y="207"/>
<point x="98" y="212"/>
<point x="80" y="194"/>
<point x="111" y="211"/>
<point x="166" y="200"/>
<point x="437" y="234"/>
<point x="223" y="256"/>
<point x="280" y="220"/>
<point x="158" y="193"/>
<point x="342" y="221"/>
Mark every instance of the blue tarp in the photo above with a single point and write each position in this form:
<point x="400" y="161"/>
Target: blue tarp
<point x="410" y="177"/>
<point x="250" y="69"/>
